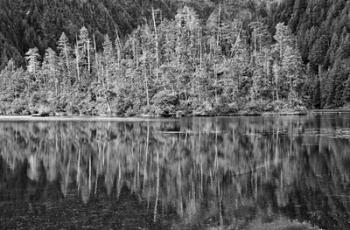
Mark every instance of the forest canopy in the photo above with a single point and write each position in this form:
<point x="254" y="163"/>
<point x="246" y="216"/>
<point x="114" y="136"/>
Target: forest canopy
<point x="166" y="57"/>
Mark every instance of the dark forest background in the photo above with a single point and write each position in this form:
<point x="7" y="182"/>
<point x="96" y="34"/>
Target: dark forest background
<point x="257" y="55"/>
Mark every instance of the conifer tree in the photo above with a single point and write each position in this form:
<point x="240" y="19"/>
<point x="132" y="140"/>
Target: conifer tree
<point x="260" y="36"/>
<point x="64" y="59"/>
<point x="283" y="38"/>
<point x="118" y="49"/>
<point x="291" y="66"/>
<point x="108" y="57"/>
<point x="84" y="49"/>
<point x="331" y="53"/>
<point x="49" y="68"/>
<point x="33" y="63"/>
<point x="346" y="92"/>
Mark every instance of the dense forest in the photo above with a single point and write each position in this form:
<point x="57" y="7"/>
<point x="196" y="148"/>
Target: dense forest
<point x="173" y="57"/>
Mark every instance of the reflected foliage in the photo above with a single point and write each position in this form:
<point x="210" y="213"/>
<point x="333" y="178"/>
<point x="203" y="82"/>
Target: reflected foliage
<point x="200" y="173"/>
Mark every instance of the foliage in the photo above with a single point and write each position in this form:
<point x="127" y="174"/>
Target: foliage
<point x="206" y="62"/>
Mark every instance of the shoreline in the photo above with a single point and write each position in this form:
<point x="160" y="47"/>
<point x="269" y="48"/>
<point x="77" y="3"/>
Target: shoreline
<point x="142" y="118"/>
<point x="73" y="118"/>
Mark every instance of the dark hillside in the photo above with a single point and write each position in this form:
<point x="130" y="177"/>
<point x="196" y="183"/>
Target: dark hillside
<point x="323" y="35"/>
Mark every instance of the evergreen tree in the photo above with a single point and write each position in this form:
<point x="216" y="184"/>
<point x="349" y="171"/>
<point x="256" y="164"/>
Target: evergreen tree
<point x="33" y="62"/>
<point x="316" y="96"/>
<point x="64" y="59"/>
<point x="283" y="38"/>
<point x="49" y="68"/>
<point x="108" y="57"/>
<point x="239" y="59"/>
<point x="292" y="67"/>
<point x="260" y="36"/>
<point x="346" y="92"/>
<point x="318" y="51"/>
<point x="340" y="74"/>
<point x="331" y="53"/>
<point x="84" y="48"/>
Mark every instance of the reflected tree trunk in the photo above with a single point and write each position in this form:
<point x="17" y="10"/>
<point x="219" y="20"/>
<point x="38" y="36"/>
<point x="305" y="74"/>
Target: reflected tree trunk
<point x="157" y="191"/>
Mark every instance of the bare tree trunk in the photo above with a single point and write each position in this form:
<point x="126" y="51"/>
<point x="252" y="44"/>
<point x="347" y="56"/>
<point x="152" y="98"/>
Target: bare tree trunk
<point x="88" y="54"/>
<point x="219" y="26"/>
<point x="276" y="87"/>
<point x="178" y="55"/>
<point x="266" y="69"/>
<point x="77" y="59"/>
<point x="146" y="86"/>
<point x="96" y="60"/>
<point x="56" y="87"/>
<point x="90" y="174"/>
<point x="200" y="61"/>
<point x="156" y="42"/>
<point x="281" y="51"/>
<point x="134" y="52"/>
<point x="67" y="61"/>
<point x="118" y="47"/>
<point x="216" y="84"/>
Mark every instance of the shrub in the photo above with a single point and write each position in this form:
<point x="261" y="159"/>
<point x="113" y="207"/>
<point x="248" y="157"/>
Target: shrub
<point x="256" y="106"/>
<point x="203" y="109"/>
<point x="226" y="109"/>
<point x="275" y="106"/>
<point x="164" y="103"/>
<point x="18" y="107"/>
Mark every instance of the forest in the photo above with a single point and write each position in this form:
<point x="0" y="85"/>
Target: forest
<point x="166" y="58"/>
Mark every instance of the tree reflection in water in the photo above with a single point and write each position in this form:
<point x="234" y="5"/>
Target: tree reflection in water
<point x="201" y="173"/>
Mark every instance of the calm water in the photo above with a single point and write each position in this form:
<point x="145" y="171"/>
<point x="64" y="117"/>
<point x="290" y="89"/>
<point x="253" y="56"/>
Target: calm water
<point x="201" y="173"/>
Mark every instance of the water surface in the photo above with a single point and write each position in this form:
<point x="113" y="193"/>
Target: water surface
<point x="193" y="173"/>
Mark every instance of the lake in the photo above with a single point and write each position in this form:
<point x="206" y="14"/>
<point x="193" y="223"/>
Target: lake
<point x="191" y="173"/>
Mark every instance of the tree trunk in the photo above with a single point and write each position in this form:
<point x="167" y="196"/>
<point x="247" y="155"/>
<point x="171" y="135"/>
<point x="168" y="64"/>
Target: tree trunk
<point x="96" y="61"/>
<point x="118" y="47"/>
<point x="156" y="42"/>
<point x="276" y="86"/>
<point x="77" y="59"/>
<point x="88" y="56"/>
<point x="67" y="61"/>
<point x="146" y="87"/>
